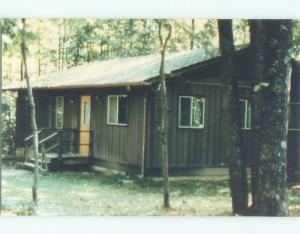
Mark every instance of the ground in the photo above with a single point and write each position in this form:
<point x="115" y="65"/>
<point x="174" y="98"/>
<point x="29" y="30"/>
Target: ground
<point x="88" y="193"/>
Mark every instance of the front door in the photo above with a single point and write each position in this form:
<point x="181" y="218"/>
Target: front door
<point x="85" y="116"/>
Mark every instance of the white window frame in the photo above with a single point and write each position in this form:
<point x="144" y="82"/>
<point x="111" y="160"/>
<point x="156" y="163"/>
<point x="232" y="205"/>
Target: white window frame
<point x="108" y="111"/>
<point x="191" y="113"/>
<point x="245" y="106"/>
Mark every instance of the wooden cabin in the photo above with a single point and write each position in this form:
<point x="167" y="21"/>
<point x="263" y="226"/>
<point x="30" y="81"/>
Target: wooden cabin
<point x="108" y="112"/>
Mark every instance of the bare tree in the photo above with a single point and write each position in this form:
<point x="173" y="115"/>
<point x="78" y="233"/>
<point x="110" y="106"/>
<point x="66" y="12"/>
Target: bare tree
<point x="257" y="42"/>
<point x="33" y="117"/>
<point x="163" y="129"/>
<point x="192" y="34"/>
<point x="231" y="120"/>
<point x="1" y="117"/>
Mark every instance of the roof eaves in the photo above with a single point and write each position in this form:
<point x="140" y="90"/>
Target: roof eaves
<point x="143" y="83"/>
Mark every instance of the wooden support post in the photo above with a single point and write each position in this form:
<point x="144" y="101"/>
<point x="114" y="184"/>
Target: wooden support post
<point x="60" y="148"/>
<point x="26" y="153"/>
<point x="91" y="154"/>
<point x="76" y="141"/>
<point x="144" y="136"/>
<point x="44" y="162"/>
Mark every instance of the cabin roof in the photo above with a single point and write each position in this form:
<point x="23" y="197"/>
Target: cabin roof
<point x="116" y="72"/>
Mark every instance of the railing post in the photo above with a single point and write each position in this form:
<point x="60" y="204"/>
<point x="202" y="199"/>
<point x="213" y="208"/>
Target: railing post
<point x="76" y="140"/>
<point x="91" y="144"/>
<point x="26" y="153"/>
<point x="60" y="148"/>
<point x="44" y="162"/>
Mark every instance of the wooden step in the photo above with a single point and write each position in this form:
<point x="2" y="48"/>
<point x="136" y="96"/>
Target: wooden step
<point x="54" y="163"/>
<point x="29" y="166"/>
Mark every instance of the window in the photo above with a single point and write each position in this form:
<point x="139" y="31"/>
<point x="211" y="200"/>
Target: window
<point x="117" y="112"/>
<point x="245" y="110"/>
<point x="191" y="112"/>
<point x="57" y="112"/>
<point x="86" y="112"/>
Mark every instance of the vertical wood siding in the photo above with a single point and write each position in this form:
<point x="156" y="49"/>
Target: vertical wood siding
<point x="118" y="144"/>
<point x="194" y="148"/>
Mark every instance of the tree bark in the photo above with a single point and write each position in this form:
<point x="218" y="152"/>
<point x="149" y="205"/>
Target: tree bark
<point x="64" y="52"/>
<point x="39" y="61"/>
<point x="271" y="193"/>
<point x="33" y="117"/>
<point x="192" y="35"/>
<point x="163" y="129"/>
<point x="1" y="117"/>
<point x="257" y="43"/>
<point x="231" y="120"/>
<point x="59" y="52"/>
<point x="21" y="68"/>
<point x="293" y="150"/>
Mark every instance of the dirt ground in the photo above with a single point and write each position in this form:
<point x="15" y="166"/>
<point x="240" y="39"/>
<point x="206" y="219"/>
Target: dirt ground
<point x="88" y="193"/>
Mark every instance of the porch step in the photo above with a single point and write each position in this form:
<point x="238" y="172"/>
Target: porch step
<point x="68" y="161"/>
<point x="29" y="166"/>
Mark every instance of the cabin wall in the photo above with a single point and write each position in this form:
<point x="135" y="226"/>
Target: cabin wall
<point x="43" y="112"/>
<point x="115" y="143"/>
<point x="193" y="148"/>
<point x="44" y="108"/>
<point x="124" y="145"/>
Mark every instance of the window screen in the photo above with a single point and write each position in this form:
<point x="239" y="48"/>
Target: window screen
<point x="57" y="119"/>
<point x="191" y="111"/>
<point x="118" y="109"/>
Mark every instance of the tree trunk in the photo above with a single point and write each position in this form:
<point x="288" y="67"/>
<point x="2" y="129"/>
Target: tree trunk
<point x="192" y="35"/>
<point x="22" y="67"/>
<point x="108" y="48"/>
<point x="271" y="194"/>
<point x="59" y="52"/>
<point x="77" y="54"/>
<point x="1" y="117"/>
<point x="163" y="128"/>
<point x="64" y="57"/>
<point x="257" y="42"/>
<point x="293" y="150"/>
<point x="33" y="118"/>
<point x="231" y="120"/>
<point x="39" y="60"/>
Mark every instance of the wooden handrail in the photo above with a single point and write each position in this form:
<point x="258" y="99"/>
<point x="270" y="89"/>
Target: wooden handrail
<point x="31" y="136"/>
<point x="65" y="130"/>
<point x="51" y="148"/>
<point x="48" y="137"/>
<point x="61" y="143"/>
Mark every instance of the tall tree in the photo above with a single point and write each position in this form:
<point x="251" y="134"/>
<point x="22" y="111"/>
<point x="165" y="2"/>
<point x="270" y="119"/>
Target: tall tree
<point x="257" y="43"/>
<point x="271" y="192"/>
<point x="192" y="34"/>
<point x="163" y="129"/>
<point x="1" y="116"/>
<point x="231" y="120"/>
<point x="32" y="113"/>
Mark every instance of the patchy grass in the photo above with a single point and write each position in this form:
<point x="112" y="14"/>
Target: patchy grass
<point x="87" y="193"/>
